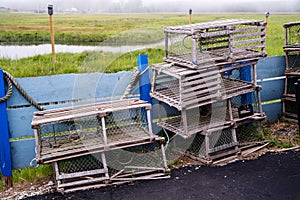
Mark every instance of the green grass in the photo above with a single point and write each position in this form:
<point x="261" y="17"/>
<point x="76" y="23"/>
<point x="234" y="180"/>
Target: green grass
<point x="30" y="174"/>
<point x="85" y="62"/>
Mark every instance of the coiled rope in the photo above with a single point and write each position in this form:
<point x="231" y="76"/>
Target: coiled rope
<point x="133" y="81"/>
<point x="11" y="80"/>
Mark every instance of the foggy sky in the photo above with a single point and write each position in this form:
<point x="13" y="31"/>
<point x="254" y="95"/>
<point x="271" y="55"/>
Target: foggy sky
<point x="98" y="6"/>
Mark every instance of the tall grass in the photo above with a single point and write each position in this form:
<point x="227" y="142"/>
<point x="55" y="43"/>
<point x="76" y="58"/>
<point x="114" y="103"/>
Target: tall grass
<point x="122" y="28"/>
<point x="86" y="62"/>
<point x="30" y="174"/>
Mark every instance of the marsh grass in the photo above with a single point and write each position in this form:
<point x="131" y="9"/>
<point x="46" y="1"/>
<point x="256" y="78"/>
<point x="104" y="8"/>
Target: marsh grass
<point x="86" y="62"/>
<point x="123" y="28"/>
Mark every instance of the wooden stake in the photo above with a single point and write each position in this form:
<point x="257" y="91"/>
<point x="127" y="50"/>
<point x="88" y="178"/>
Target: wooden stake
<point x="190" y="13"/>
<point x="52" y="39"/>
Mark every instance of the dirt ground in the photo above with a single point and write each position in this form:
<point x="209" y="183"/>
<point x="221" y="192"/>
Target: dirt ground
<point x="271" y="176"/>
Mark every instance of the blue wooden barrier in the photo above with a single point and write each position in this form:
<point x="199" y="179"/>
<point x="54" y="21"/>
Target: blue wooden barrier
<point x="270" y="75"/>
<point x="55" y="92"/>
<point x="65" y="90"/>
<point x="5" y="156"/>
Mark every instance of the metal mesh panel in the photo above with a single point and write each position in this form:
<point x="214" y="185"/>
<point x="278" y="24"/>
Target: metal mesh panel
<point x="125" y="124"/>
<point x="84" y="163"/>
<point x="66" y="135"/>
<point x="84" y="134"/>
<point x="250" y="133"/>
<point x="244" y="105"/>
<point x="197" y="119"/>
<point x="293" y="33"/>
<point x="137" y="158"/>
<point x="217" y="141"/>
<point x="180" y="44"/>
<point x="293" y="59"/>
<point x="138" y="162"/>
<point x="211" y="43"/>
<point x="141" y="156"/>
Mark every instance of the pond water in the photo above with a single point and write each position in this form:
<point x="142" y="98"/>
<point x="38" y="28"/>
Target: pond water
<point x="22" y="51"/>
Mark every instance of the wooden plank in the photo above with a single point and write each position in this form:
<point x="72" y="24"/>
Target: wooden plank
<point x="247" y="48"/>
<point x="82" y="174"/>
<point x="240" y="42"/>
<point x="74" y="114"/>
<point x="252" y="28"/>
<point x="246" y="35"/>
<point x="23" y="151"/>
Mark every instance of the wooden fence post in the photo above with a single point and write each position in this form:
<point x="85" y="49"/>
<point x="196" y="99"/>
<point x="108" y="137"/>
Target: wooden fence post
<point x="145" y="85"/>
<point x="5" y="155"/>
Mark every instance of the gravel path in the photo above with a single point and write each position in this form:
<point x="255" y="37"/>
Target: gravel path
<point x="271" y="176"/>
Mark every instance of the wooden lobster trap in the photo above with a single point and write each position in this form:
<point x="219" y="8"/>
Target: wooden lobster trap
<point x="198" y="92"/>
<point x="141" y="162"/>
<point x="292" y="54"/>
<point x="85" y="134"/>
<point x="215" y="43"/>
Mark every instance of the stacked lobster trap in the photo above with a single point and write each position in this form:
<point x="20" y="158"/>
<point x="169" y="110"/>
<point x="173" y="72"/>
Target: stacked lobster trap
<point x="292" y="54"/>
<point x="209" y="76"/>
<point x="98" y="144"/>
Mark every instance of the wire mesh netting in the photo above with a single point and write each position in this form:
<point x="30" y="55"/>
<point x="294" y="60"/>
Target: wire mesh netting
<point x="202" y="146"/>
<point x="194" y="120"/>
<point x="250" y="133"/>
<point x="210" y="44"/>
<point x="293" y="33"/>
<point x="245" y="105"/>
<point x="120" y="164"/>
<point x="293" y="60"/>
<point x="85" y="134"/>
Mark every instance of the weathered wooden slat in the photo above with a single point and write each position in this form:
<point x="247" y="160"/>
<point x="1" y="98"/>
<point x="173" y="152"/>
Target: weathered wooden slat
<point x="247" y="35"/>
<point x="247" y="48"/>
<point x="212" y="42"/>
<point x="210" y="86"/>
<point x="201" y="80"/>
<point x="247" y="29"/>
<point x="82" y="174"/>
<point x="248" y="41"/>
<point x="81" y="182"/>
<point x="85" y="112"/>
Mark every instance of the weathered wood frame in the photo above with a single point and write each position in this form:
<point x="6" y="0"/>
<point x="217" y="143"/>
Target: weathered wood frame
<point x="291" y="71"/>
<point x="79" y="179"/>
<point x="206" y="33"/>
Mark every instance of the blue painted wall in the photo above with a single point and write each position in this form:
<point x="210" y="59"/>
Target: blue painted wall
<point x="65" y="90"/>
